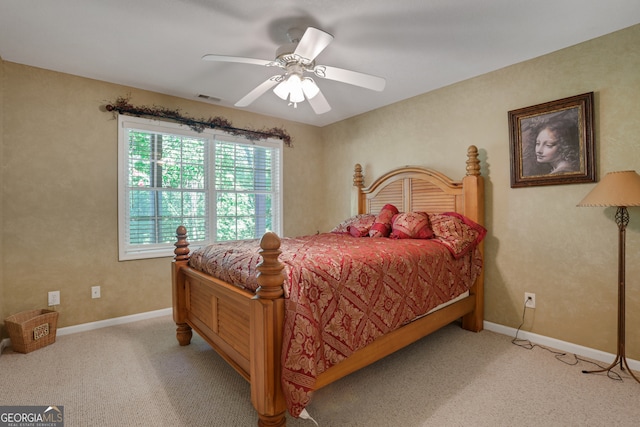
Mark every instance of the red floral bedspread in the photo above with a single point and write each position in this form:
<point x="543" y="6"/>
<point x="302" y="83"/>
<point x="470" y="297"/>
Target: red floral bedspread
<point x="343" y="292"/>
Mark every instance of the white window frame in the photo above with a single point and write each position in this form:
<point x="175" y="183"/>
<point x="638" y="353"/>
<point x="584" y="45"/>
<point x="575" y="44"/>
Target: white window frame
<point x="130" y="252"/>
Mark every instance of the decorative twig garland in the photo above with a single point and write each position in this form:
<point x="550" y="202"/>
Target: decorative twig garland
<point x="121" y="105"/>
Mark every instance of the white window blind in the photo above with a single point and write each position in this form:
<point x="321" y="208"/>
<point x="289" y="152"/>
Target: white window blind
<point x="247" y="190"/>
<point x="219" y="187"/>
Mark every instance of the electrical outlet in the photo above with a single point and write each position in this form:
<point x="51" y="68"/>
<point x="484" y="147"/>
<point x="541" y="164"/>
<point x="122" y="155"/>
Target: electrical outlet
<point x="54" y="298"/>
<point x="529" y="300"/>
<point x="95" y="292"/>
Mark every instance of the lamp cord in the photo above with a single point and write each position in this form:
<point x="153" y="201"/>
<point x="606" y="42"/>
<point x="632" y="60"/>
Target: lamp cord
<point x="528" y="345"/>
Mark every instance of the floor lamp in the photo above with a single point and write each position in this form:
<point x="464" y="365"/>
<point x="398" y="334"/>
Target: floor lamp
<point x="619" y="189"/>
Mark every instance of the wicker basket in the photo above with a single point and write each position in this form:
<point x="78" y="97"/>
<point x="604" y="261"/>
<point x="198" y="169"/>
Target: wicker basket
<point x="31" y="330"/>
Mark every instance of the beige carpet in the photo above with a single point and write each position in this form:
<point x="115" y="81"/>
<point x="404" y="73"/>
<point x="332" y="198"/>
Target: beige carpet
<point x="137" y="375"/>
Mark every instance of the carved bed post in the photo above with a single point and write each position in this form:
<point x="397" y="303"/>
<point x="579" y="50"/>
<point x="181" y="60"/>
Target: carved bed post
<point x="473" y="184"/>
<point x="181" y="258"/>
<point x="267" y="320"/>
<point x="358" y="182"/>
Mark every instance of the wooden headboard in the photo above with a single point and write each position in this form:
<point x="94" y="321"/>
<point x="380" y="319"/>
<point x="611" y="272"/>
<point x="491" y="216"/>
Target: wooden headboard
<point x="413" y="188"/>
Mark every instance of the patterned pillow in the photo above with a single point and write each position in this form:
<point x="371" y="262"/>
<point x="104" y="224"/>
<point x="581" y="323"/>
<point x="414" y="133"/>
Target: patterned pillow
<point x="382" y="225"/>
<point x="411" y="225"/>
<point x="361" y="226"/>
<point x="360" y="222"/>
<point x="457" y="232"/>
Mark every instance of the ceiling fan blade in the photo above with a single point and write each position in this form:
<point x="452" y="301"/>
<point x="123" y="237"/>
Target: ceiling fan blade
<point x="312" y="43"/>
<point x="258" y="91"/>
<point x="237" y="59"/>
<point x="352" y="77"/>
<point x="319" y="103"/>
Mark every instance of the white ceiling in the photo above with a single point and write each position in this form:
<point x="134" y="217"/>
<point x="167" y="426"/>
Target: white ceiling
<point x="417" y="45"/>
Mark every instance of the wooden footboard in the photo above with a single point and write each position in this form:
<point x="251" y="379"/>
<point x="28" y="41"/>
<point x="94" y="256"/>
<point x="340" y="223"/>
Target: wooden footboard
<point x="246" y="329"/>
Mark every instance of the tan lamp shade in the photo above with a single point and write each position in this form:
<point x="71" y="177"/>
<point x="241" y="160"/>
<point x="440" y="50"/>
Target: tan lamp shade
<point x="616" y="189"/>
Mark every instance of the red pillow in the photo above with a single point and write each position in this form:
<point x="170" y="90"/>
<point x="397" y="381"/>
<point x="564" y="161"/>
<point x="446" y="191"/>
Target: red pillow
<point x="411" y="225"/>
<point x="360" y="227"/>
<point x="359" y="221"/>
<point x="382" y="225"/>
<point x="457" y="232"/>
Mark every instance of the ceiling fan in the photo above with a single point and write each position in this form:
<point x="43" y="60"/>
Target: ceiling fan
<point x="296" y="59"/>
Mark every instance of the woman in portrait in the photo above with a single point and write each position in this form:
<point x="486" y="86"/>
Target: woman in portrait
<point x="553" y="146"/>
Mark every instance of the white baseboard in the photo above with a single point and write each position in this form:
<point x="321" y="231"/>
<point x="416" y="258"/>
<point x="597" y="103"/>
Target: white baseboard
<point x="4" y="344"/>
<point x="564" y="346"/>
<point x="112" y="322"/>
<point x="101" y="324"/>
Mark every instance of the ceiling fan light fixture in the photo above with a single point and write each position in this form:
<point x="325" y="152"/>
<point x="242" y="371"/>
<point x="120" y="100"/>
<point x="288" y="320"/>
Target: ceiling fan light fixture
<point x="291" y="88"/>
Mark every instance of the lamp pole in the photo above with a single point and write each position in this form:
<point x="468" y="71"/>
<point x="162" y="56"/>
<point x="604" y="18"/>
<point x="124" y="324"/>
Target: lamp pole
<point x="622" y="219"/>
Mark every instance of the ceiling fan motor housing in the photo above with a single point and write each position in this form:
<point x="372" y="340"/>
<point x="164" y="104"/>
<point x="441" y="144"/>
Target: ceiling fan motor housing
<point x="285" y="50"/>
<point x="285" y="55"/>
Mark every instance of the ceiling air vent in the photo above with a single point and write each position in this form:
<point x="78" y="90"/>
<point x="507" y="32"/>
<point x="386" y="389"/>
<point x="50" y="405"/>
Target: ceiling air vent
<point x="209" y="98"/>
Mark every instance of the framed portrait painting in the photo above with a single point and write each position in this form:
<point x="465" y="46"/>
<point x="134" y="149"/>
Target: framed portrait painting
<point x="553" y="143"/>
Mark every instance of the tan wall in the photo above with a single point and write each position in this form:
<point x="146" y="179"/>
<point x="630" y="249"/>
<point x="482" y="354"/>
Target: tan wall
<point x="60" y="216"/>
<point x="538" y="240"/>
<point x="59" y="189"/>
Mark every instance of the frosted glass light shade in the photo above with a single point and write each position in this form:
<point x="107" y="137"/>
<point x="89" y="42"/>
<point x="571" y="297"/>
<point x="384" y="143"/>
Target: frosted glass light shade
<point x="295" y="87"/>
<point x="616" y="189"/>
<point x="282" y="90"/>
<point x="310" y="88"/>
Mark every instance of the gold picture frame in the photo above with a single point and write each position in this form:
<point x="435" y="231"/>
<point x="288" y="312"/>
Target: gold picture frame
<point x="553" y="143"/>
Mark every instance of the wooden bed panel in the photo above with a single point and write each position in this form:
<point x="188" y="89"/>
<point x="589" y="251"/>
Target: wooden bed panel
<point x="232" y="326"/>
<point x="427" y="197"/>
<point x="410" y="188"/>
<point x="201" y="304"/>
<point x="221" y="316"/>
<point x="392" y="193"/>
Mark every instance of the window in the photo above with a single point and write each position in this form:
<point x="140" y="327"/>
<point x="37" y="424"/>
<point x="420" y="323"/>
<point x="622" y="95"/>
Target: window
<point x="219" y="186"/>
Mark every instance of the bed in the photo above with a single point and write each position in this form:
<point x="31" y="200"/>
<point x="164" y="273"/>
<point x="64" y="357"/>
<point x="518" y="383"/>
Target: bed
<point x="250" y="329"/>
